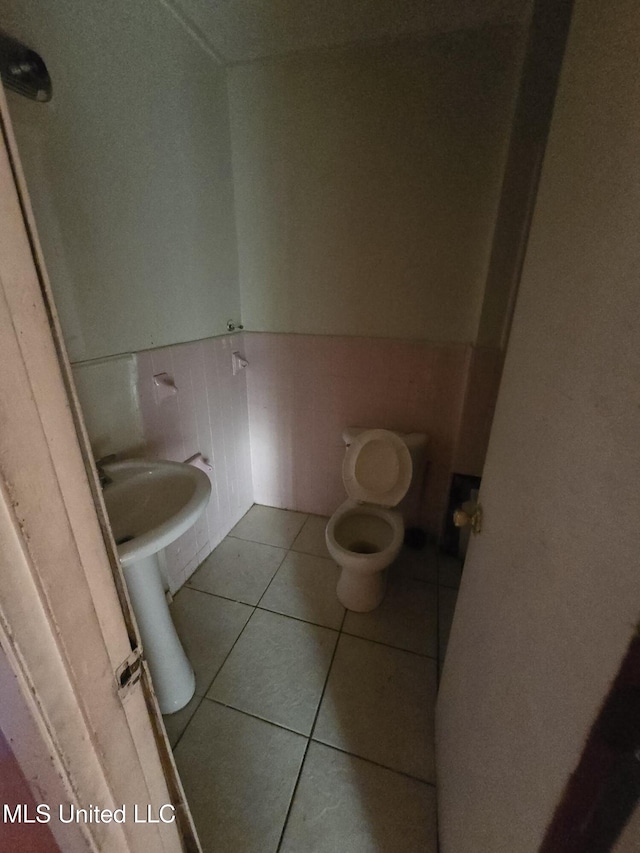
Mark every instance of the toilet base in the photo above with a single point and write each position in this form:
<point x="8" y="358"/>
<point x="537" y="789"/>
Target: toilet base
<point x="359" y="591"/>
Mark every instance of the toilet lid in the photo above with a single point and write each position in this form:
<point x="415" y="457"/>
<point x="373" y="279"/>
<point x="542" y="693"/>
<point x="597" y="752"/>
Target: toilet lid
<point x="377" y="468"/>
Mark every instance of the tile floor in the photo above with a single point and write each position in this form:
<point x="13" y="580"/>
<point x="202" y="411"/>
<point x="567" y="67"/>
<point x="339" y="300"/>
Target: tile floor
<point x="312" y="727"/>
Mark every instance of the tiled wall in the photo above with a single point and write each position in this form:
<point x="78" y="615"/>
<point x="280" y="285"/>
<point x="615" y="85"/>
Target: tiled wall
<point x="108" y="392"/>
<point x="273" y="433"/>
<point x="208" y="415"/>
<point x="304" y="389"/>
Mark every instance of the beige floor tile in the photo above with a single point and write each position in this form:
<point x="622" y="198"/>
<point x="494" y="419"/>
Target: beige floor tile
<point x="344" y="803"/>
<point x="270" y="526"/>
<point x="239" y="774"/>
<point x="305" y="587"/>
<point x="277" y="670"/>
<point x="447" y="606"/>
<point x="208" y="627"/>
<point x="176" y="723"/>
<point x="407" y="618"/>
<point x="238" y="569"/>
<point x="379" y="704"/>
<point x="417" y="565"/>
<point x="311" y="539"/>
<point x="449" y="571"/>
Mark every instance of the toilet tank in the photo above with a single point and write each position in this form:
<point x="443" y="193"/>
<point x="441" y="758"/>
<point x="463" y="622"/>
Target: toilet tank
<point x="416" y="442"/>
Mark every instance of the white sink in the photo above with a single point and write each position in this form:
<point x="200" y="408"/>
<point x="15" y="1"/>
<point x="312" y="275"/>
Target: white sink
<point x="150" y="504"/>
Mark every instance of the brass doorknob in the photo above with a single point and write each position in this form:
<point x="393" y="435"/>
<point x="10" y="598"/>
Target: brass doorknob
<point x="469" y="513"/>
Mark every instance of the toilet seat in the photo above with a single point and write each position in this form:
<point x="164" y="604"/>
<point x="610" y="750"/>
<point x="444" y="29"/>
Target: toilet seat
<point x="352" y="507"/>
<point x="377" y="468"/>
<point x="362" y="582"/>
<point x="364" y="535"/>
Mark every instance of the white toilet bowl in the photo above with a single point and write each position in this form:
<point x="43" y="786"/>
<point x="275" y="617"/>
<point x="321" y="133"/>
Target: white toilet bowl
<point x="364" y="540"/>
<point x="364" y="535"/>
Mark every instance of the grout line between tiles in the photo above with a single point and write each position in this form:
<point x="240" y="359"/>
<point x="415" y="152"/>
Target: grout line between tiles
<point x="255" y="541"/>
<point x="389" y="645"/>
<point x="256" y="717"/>
<point x="258" y="542"/>
<point x="326" y="681"/>
<point x="226" y="657"/>
<point x="314" y="740"/>
<point x="306" y="749"/>
<point x="266" y="589"/>
<point x="181" y="735"/>
<point x="376" y="763"/>
<point x="297" y="618"/>
<point x="277" y="612"/>
<point x="208" y="687"/>
<point x="237" y="600"/>
<point x="219" y="595"/>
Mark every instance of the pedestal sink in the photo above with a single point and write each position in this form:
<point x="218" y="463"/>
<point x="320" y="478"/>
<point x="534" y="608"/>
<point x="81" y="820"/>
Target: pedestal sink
<point x="150" y="504"/>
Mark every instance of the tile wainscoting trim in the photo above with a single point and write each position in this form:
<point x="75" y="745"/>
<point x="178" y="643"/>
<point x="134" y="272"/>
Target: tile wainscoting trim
<point x="304" y="389"/>
<point x="208" y="415"/>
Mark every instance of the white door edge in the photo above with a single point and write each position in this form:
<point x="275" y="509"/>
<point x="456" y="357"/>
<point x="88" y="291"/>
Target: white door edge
<point x="66" y="625"/>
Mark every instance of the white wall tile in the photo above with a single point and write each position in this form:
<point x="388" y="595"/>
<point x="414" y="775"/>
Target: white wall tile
<point x="107" y="390"/>
<point x="208" y="415"/>
<point x="341" y="381"/>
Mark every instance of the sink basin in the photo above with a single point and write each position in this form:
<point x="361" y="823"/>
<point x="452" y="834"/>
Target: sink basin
<point x="150" y="504"/>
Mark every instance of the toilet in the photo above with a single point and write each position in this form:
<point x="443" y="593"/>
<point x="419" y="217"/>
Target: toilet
<point x="365" y="534"/>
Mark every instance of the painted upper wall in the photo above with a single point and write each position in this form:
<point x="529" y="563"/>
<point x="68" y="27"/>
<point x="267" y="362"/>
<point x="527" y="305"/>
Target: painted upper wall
<point x="129" y="170"/>
<point x="367" y="183"/>
<point x="245" y="30"/>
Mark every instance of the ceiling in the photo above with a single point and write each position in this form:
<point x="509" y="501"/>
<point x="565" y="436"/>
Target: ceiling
<point x="245" y="30"/>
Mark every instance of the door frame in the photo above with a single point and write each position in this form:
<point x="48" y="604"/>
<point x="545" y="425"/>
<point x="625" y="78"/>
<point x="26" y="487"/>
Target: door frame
<point x="66" y="626"/>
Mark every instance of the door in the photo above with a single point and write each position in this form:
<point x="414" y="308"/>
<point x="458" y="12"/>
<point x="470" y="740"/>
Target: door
<point x="550" y="597"/>
<point x="66" y="630"/>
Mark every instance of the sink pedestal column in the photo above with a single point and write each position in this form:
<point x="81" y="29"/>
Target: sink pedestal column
<point x="171" y="672"/>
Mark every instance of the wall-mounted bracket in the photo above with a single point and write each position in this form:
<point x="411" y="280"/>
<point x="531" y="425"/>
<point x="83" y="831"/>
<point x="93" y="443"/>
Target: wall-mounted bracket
<point x="165" y="386"/>
<point x="238" y="363"/>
